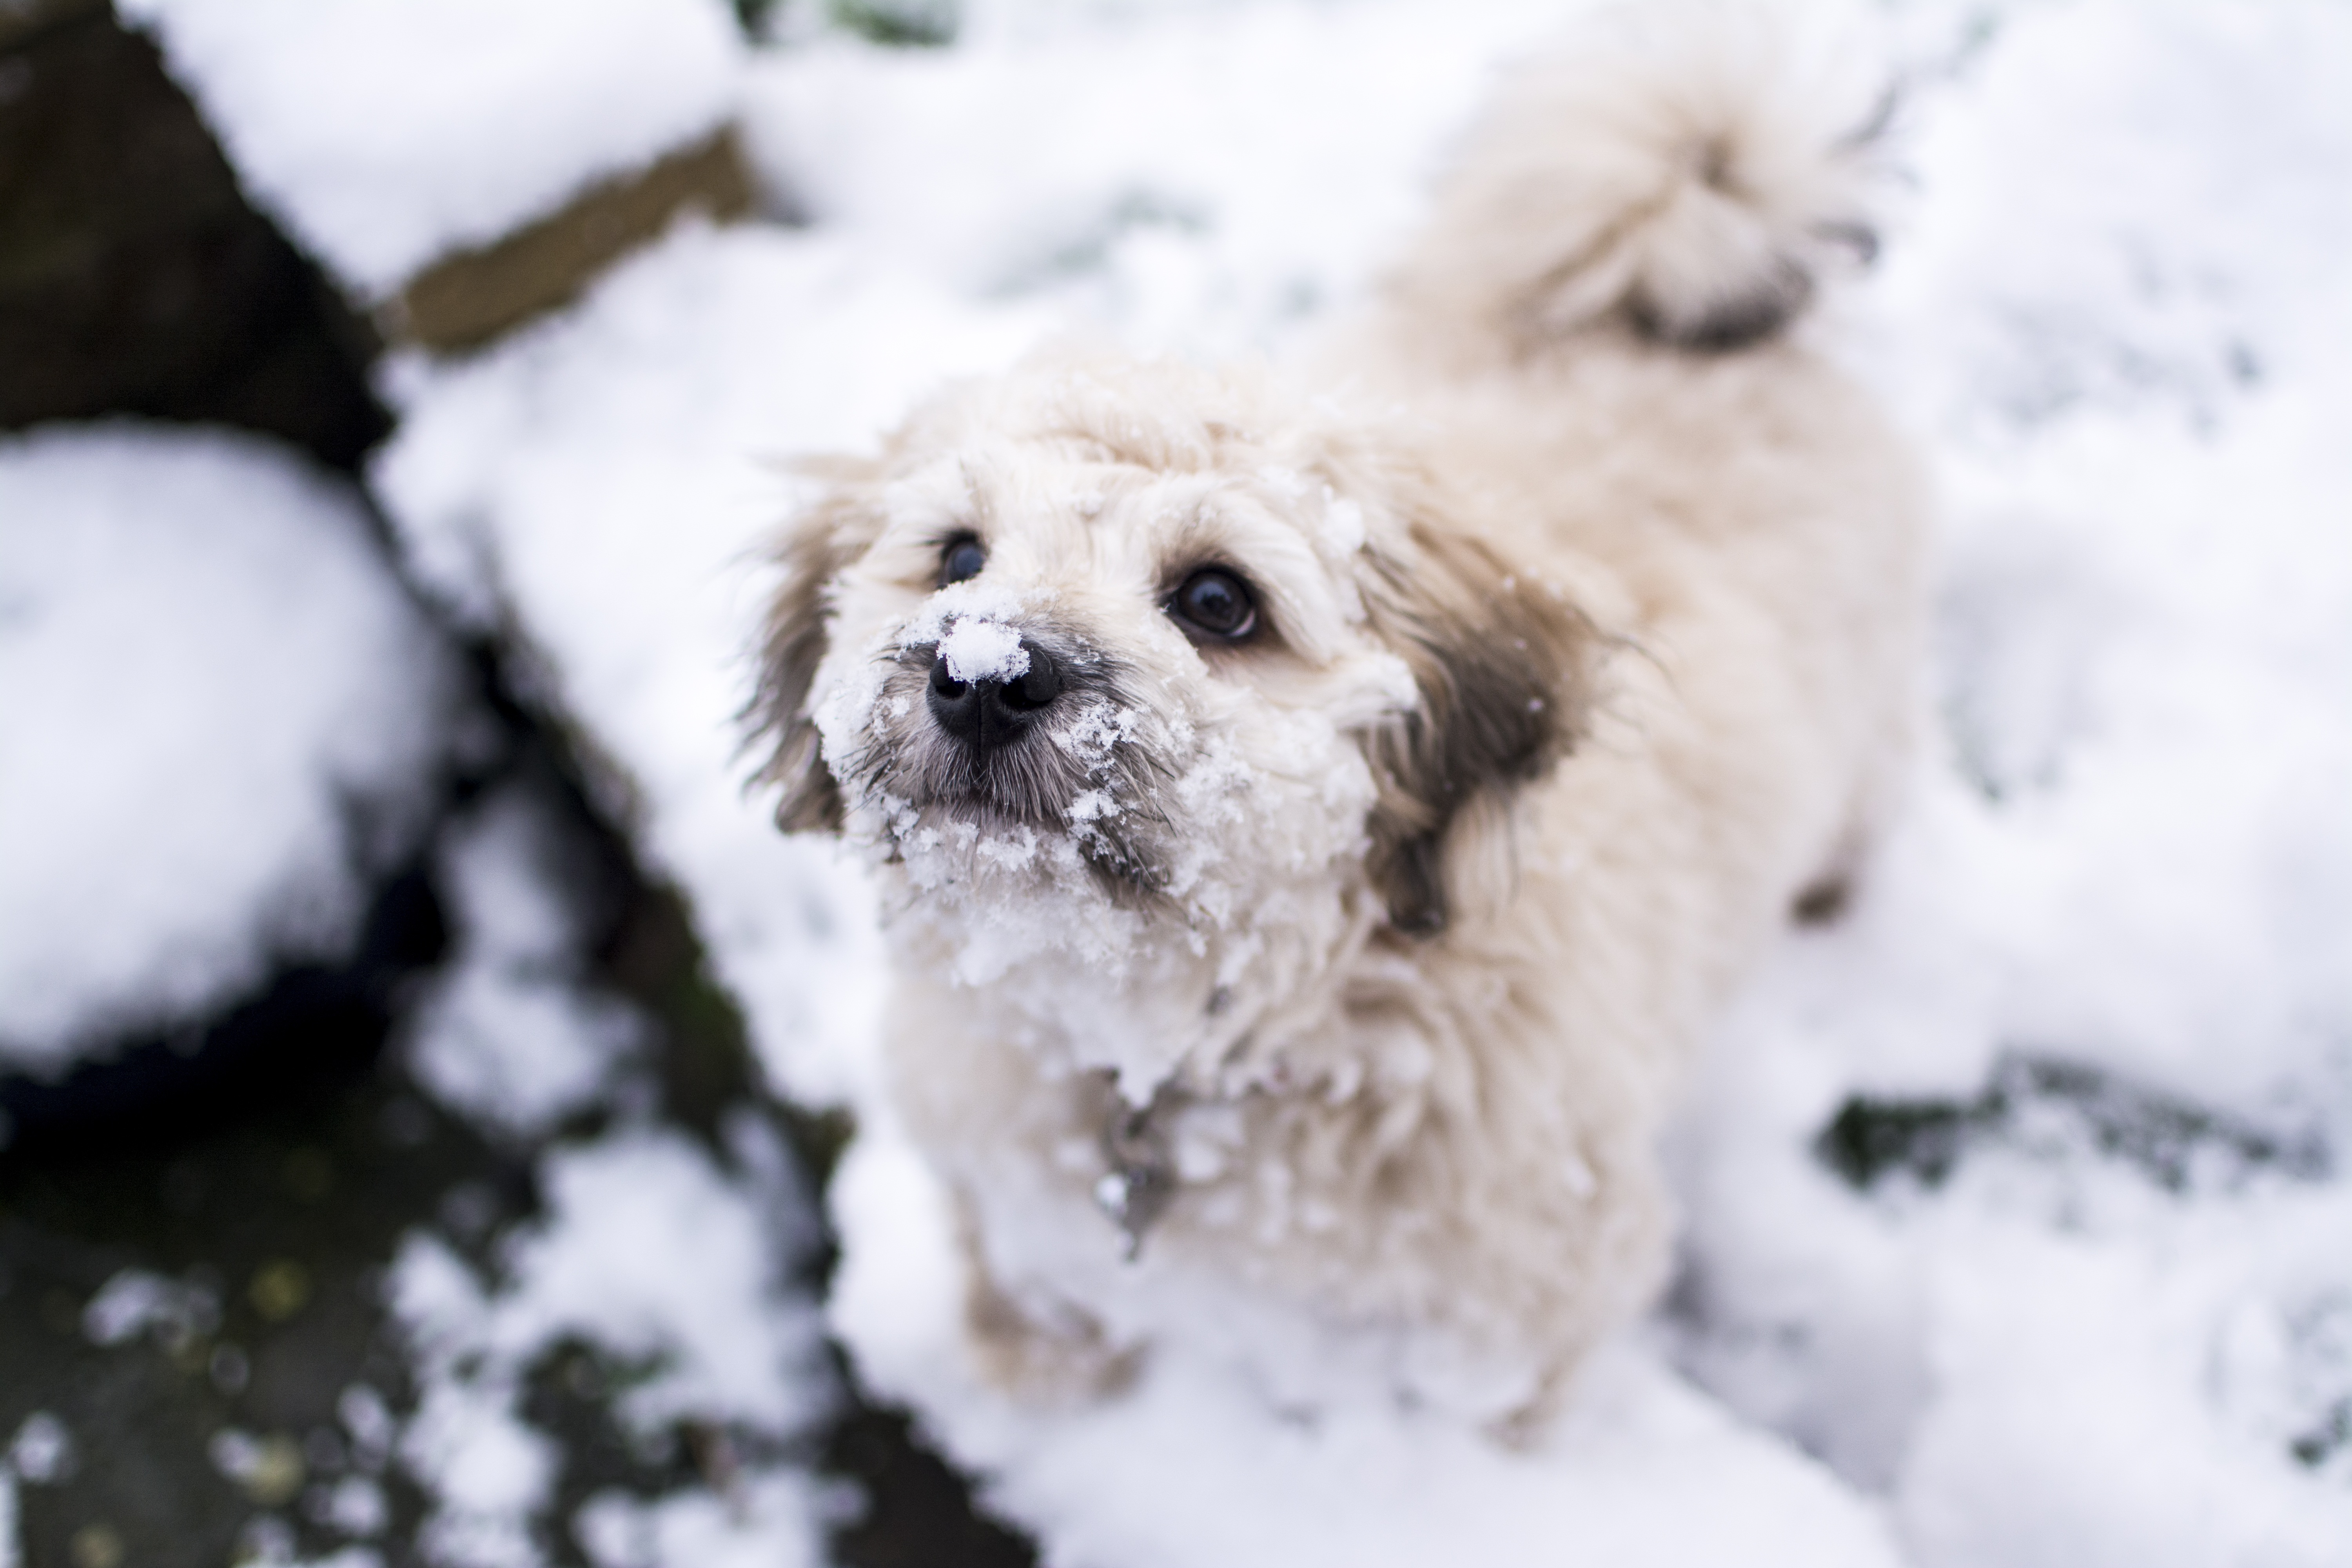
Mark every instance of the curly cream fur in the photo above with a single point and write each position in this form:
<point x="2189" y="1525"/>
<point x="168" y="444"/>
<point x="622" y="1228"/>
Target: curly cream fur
<point x="1390" y="931"/>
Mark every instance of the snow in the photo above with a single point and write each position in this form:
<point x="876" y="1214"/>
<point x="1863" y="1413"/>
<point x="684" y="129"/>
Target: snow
<point x="42" y="1451"/>
<point x="641" y="443"/>
<point x="225" y="720"/>
<point x="668" y="1263"/>
<point x="354" y="1505"/>
<point x="977" y="650"/>
<point x="1191" y="1465"/>
<point x="2105" y="957"/>
<point x="651" y="1254"/>
<point x="1203" y="176"/>
<point x="672" y="1271"/>
<point x="510" y="1035"/>
<point x="768" y="1523"/>
<point x="384" y="133"/>
<point x="134" y="1301"/>
<point x="348" y="1557"/>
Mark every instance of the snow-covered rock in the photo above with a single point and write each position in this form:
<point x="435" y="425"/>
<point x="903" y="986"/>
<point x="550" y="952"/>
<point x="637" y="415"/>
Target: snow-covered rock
<point x="225" y="720"/>
<point x="386" y="133"/>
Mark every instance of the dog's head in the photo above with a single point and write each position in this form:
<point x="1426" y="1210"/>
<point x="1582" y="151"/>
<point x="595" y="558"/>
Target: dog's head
<point x="1163" y="634"/>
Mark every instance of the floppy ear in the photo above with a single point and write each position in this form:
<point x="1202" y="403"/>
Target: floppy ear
<point x="1505" y="666"/>
<point x="832" y="531"/>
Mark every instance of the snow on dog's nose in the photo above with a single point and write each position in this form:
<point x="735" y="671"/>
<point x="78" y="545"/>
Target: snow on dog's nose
<point x="989" y="684"/>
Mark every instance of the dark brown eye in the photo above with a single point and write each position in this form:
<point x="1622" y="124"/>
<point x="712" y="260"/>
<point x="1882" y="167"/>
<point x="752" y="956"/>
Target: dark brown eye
<point x="1215" y="603"/>
<point x="960" y="559"/>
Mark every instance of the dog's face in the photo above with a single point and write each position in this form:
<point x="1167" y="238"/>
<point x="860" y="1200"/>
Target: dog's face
<point x="1148" y="665"/>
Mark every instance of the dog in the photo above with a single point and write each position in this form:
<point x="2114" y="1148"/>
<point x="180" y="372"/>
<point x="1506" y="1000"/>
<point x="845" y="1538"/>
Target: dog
<point x="1318" y="813"/>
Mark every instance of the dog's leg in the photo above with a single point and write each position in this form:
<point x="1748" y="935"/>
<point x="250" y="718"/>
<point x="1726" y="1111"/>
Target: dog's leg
<point x="1062" y="1357"/>
<point x="1524" y="1428"/>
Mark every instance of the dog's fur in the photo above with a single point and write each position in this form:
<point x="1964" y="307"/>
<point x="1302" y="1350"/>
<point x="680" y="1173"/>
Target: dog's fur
<point x="1348" y="970"/>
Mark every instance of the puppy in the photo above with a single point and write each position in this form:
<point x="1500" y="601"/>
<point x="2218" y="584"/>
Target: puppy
<point x="1314" y="826"/>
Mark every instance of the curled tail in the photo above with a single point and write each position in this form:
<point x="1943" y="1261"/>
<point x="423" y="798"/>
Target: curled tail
<point x="1686" y="171"/>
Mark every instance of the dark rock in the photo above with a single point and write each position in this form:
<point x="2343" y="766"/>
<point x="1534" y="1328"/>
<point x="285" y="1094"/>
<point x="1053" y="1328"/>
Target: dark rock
<point x="2049" y="1108"/>
<point x="310" y="1021"/>
<point x="134" y="278"/>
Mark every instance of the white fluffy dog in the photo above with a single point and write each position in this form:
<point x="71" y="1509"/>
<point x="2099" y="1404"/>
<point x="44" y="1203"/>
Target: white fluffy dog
<point x="1315" y="828"/>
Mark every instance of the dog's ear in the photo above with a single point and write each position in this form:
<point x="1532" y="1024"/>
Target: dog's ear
<point x="1505" y="666"/>
<point x="830" y="534"/>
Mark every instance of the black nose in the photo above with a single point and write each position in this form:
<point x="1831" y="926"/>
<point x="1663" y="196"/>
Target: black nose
<point x="990" y="713"/>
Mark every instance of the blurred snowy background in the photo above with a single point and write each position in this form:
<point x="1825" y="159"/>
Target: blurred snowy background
<point x="419" y="1060"/>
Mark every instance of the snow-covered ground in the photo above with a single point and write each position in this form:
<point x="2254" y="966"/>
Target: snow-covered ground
<point x="2013" y="1200"/>
<point x="671" y="1262"/>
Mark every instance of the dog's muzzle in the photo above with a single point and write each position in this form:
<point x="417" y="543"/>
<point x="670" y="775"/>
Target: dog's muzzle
<point x="988" y="714"/>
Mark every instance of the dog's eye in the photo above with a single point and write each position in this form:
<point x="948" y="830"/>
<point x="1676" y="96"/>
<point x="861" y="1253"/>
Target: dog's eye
<point x="960" y="559"/>
<point x="1215" y="602"/>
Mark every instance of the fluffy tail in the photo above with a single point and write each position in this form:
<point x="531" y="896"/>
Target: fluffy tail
<point x="1687" y="170"/>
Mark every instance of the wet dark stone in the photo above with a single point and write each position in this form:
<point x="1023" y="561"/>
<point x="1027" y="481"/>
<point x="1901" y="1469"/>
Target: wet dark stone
<point x="134" y="279"/>
<point x="2325" y="1441"/>
<point x="920" y="1511"/>
<point x="310" y="1021"/>
<point x="1870" y="1139"/>
<point x="898" y="24"/>
<point x="2045" y="1104"/>
<point x="236" y="1211"/>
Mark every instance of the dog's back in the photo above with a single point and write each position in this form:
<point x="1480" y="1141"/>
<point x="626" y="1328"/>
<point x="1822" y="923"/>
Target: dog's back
<point x="1597" y="322"/>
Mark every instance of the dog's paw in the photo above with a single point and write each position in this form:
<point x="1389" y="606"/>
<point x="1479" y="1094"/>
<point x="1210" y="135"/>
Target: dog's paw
<point x="1058" y="1357"/>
